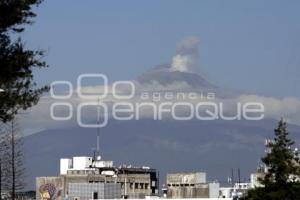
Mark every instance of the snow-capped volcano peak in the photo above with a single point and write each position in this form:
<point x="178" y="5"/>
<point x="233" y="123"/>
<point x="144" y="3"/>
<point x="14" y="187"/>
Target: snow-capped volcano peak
<point x="166" y="75"/>
<point x="164" y="78"/>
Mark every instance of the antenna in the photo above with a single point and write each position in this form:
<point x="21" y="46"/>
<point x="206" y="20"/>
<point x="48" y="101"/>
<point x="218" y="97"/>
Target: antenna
<point x="98" y="157"/>
<point x="232" y="178"/>
<point x="239" y="175"/>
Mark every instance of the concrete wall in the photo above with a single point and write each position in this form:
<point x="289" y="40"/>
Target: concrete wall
<point x="214" y="190"/>
<point x="82" y="162"/>
<point x="65" y="165"/>
<point x="191" y="185"/>
<point x="199" y="191"/>
<point x="186" y="178"/>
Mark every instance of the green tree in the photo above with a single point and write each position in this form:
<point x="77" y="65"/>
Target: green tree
<point x="16" y="62"/>
<point x="20" y="89"/>
<point x="281" y="181"/>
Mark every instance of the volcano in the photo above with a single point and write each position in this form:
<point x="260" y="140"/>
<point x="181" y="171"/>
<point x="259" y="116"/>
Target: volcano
<point x="165" y="78"/>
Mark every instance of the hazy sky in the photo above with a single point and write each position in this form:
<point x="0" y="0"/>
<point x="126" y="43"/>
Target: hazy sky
<point x="246" y="45"/>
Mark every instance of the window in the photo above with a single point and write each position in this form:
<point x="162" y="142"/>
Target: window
<point x="95" y="195"/>
<point x="153" y="184"/>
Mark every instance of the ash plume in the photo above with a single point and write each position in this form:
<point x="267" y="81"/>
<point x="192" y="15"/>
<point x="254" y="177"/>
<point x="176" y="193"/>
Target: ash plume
<point x="186" y="58"/>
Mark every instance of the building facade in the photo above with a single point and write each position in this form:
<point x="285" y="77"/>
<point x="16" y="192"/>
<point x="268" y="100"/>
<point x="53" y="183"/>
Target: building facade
<point x="191" y="185"/>
<point x="82" y="178"/>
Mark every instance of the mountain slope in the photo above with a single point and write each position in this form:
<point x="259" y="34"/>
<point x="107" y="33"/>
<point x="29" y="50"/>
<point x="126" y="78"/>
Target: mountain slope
<point x="169" y="146"/>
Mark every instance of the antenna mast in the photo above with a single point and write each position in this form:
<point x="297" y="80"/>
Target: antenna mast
<point x="98" y="157"/>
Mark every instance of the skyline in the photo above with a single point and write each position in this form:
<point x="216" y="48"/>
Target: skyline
<point x="173" y="85"/>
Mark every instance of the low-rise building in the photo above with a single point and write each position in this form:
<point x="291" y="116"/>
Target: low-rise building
<point x="191" y="185"/>
<point x="83" y="177"/>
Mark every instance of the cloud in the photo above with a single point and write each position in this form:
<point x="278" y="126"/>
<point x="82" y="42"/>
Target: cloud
<point x="287" y="108"/>
<point x="38" y="118"/>
<point x="186" y="58"/>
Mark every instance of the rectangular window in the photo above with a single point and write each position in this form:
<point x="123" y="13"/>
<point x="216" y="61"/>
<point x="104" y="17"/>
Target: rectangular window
<point x="95" y="195"/>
